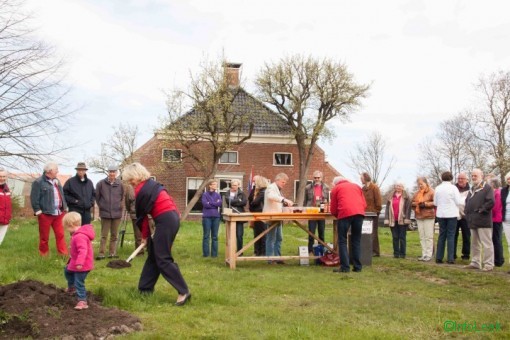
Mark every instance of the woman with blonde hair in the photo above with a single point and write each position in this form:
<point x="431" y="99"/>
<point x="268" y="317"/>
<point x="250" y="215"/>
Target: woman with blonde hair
<point x="256" y="204"/>
<point x="151" y="198"/>
<point x="423" y="205"/>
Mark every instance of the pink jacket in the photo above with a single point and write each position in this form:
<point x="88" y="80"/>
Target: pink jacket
<point x="82" y="252"/>
<point x="497" y="209"/>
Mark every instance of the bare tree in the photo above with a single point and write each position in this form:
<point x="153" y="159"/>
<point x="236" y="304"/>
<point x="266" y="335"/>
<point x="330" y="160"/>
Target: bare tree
<point x="32" y="106"/>
<point x="491" y="119"/>
<point x="307" y="93"/>
<point x="454" y="148"/>
<point x="118" y="149"/>
<point x="204" y="123"/>
<point x="369" y="156"/>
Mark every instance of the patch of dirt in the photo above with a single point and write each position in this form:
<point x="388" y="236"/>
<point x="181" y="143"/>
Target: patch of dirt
<point x="118" y="264"/>
<point x="32" y="309"/>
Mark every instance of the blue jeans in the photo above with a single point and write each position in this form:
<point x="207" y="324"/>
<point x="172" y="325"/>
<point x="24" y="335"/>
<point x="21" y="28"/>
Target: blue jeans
<point x="77" y="280"/>
<point x="274" y="241"/>
<point x="399" y="233"/>
<point x="447" y="227"/>
<point x="210" y="225"/>
<point x="354" y="223"/>
<point x="239" y="234"/>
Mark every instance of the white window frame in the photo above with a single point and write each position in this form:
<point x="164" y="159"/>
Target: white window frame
<point x="188" y="188"/>
<point x="237" y="158"/>
<point x="169" y="160"/>
<point x="282" y="153"/>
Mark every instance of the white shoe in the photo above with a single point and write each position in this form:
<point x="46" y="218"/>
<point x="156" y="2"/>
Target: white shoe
<point x="426" y="259"/>
<point x="421" y="258"/>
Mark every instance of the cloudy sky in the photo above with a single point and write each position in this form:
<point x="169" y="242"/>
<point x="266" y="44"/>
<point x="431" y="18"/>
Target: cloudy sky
<point x="421" y="57"/>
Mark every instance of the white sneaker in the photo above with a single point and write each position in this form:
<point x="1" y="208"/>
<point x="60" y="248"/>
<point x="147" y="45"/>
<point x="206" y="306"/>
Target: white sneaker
<point x="421" y="258"/>
<point x="426" y="259"/>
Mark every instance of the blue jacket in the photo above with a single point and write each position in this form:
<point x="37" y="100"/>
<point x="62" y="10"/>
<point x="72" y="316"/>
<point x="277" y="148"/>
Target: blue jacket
<point x="41" y="196"/>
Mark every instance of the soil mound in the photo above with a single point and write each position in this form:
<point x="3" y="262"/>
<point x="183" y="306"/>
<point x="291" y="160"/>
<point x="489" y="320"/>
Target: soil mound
<point x="118" y="264"/>
<point x="32" y="309"/>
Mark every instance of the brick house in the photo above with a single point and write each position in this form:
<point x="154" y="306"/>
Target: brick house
<point x="271" y="150"/>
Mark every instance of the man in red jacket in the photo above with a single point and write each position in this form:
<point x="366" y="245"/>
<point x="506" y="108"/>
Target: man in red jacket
<point x="348" y="206"/>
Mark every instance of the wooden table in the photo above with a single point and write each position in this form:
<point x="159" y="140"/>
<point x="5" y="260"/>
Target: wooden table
<point x="273" y="220"/>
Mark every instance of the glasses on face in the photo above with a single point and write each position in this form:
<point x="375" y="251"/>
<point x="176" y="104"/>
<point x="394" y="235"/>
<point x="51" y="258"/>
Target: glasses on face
<point x="316" y="178"/>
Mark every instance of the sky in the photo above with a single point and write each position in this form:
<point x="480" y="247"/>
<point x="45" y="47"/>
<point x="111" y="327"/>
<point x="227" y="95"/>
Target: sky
<point x="422" y="59"/>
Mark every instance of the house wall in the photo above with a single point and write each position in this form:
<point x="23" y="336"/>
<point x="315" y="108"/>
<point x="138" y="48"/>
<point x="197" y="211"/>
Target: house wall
<point x="259" y="155"/>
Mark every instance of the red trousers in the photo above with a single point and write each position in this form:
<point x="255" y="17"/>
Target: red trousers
<point x="45" y="222"/>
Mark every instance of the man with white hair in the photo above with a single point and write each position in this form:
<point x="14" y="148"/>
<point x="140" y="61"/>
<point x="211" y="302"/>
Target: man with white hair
<point x="348" y="206"/>
<point x="478" y="211"/>
<point x="274" y="201"/>
<point x="49" y="205"/>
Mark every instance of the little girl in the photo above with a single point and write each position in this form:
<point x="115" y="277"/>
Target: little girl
<point x="81" y="261"/>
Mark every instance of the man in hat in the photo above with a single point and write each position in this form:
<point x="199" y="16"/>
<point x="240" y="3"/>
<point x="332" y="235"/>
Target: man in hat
<point x="80" y="194"/>
<point x="109" y="198"/>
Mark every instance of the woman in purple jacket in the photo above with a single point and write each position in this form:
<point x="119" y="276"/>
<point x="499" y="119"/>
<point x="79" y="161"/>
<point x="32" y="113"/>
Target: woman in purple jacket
<point x="211" y="204"/>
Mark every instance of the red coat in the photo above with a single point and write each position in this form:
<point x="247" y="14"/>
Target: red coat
<point x="5" y="205"/>
<point x="347" y="200"/>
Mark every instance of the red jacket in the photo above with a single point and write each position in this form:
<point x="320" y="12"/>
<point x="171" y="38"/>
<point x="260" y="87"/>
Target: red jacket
<point x="5" y="205"/>
<point x="163" y="203"/>
<point x="347" y="200"/>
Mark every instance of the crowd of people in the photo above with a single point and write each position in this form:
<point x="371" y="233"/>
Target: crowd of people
<point x="476" y="211"/>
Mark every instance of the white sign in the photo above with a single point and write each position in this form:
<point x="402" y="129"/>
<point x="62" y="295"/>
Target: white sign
<point x="366" y="228"/>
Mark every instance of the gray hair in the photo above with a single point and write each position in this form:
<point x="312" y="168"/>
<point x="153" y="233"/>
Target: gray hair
<point x="50" y="166"/>
<point x="280" y="176"/>
<point x="317" y="173"/>
<point x="507" y="176"/>
<point x="338" y="179"/>
<point x="495" y="182"/>
<point x="235" y="181"/>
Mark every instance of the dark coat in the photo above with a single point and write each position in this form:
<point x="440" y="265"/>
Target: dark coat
<point x="41" y="196"/>
<point x="309" y="193"/>
<point x="109" y="198"/>
<point x="238" y="202"/>
<point x="257" y="202"/>
<point x="504" y="195"/>
<point x="479" y="203"/>
<point x="80" y="195"/>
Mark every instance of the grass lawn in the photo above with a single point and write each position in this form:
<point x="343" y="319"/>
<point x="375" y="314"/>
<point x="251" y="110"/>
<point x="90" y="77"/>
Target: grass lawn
<point x="392" y="299"/>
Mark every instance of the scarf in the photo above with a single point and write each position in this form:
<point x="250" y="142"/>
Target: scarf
<point x="146" y="198"/>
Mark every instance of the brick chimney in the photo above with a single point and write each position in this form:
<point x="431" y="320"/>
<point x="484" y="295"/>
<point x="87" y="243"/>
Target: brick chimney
<point x="233" y="74"/>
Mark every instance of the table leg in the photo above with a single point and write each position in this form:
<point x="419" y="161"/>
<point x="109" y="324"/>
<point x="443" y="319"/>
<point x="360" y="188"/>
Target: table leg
<point x="232" y="244"/>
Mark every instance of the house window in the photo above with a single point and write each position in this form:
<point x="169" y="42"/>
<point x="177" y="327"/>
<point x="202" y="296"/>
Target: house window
<point x="229" y="157"/>
<point x="171" y="155"/>
<point x="193" y="185"/>
<point x="281" y="158"/>
<point x="296" y="185"/>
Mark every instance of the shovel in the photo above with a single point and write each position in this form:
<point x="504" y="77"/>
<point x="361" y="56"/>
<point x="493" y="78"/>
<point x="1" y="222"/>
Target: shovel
<point x="117" y="264"/>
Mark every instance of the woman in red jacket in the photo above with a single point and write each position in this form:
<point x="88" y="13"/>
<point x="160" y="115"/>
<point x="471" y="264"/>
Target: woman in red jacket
<point x="152" y="199"/>
<point x="5" y="205"/>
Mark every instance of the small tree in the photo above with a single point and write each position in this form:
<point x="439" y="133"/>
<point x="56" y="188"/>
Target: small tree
<point x="32" y="105"/>
<point x="369" y="156"/>
<point x="203" y="122"/>
<point x="307" y="93"/>
<point x="118" y="149"/>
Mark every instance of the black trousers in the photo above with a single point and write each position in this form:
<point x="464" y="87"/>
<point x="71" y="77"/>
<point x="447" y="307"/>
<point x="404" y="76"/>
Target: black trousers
<point x="320" y="225"/>
<point x="497" y="241"/>
<point x="466" y="239"/>
<point x="260" y="246"/>
<point x="160" y="260"/>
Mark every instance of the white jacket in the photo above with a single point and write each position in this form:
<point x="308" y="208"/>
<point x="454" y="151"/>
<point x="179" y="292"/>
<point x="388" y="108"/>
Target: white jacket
<point x="273" y="199"/>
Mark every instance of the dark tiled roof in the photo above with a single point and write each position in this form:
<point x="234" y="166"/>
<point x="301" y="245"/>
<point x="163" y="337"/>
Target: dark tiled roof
<point x="269" y="123"/>
<point x="266" y="122"/>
